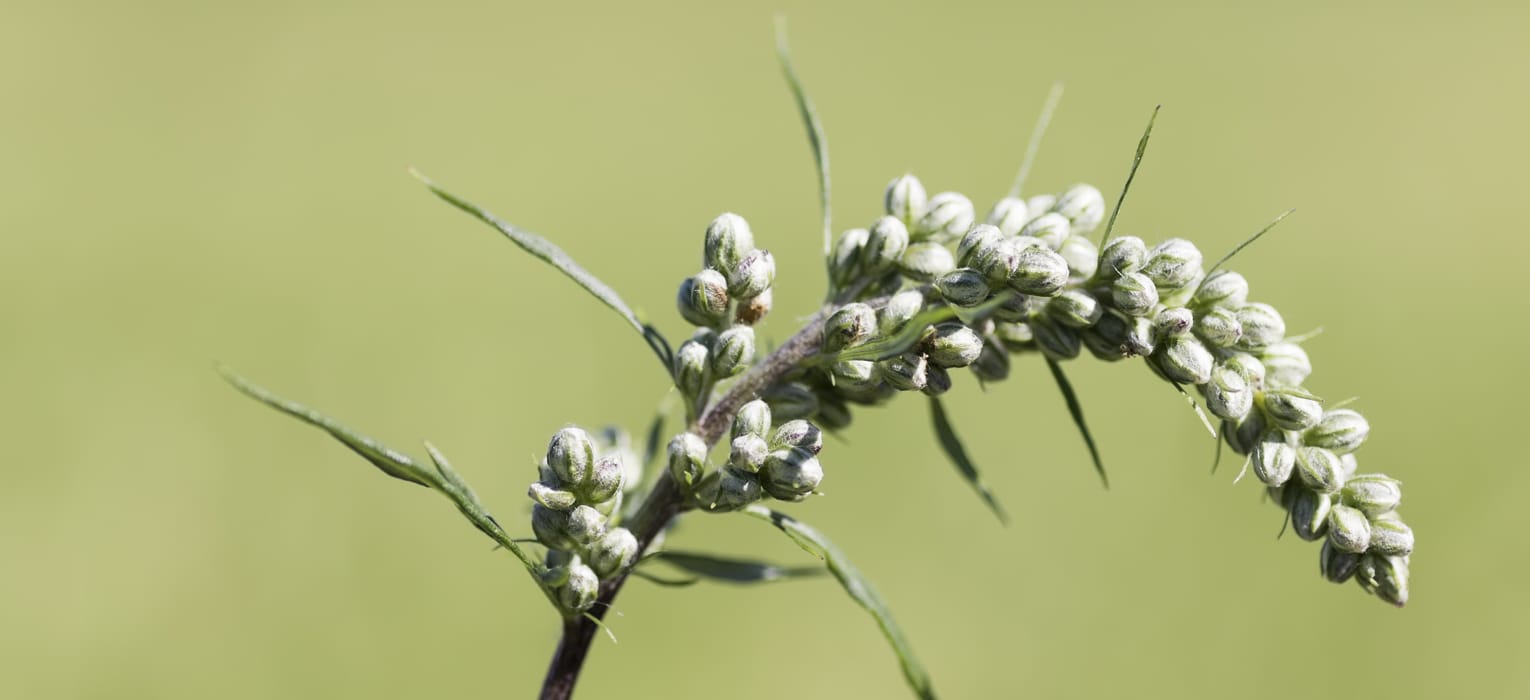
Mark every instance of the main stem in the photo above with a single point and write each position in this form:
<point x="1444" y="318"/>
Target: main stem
<point x="665" y="501"/>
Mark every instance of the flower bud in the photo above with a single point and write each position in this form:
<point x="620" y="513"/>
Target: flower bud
<point x="978" y="242"/>
<point x="1309" y="513"/>
<point x="799" y="434"/>
<point x="1009" y="215"/>
<point x="1246" y="435"/>
<point x="1228" y="395"/>
<point x="833" y="414"/>
<point x="885" y="243"/>
<point x="1106" y="339"/>
<point x="1056" y="342"/>
<point x="1373" y="494"/>
<point x="1182" y="360"/>
<point x="927" y="260"/>
<point x="1173" y="263"/>
<point x="753" y="418"/>
<point x="1039" y="272"/>
<point x="1248" y="366"/>
<point x="571" y="456"/>
<point x="1221" y="289"/>
<point x="748" y="452"/>
<point x="1319" y="469"/>
<point x="1286" y="363"/>
<point x="1040" y="204"/>
<point x="691" y="367"/>
<point x="734" y="352"/>
<point x="1338" y="565"/>
<point x="963" y="287"/>
<point x="1172" y="323"/>
<point x="790" y="401"/>
<point x="902" y="307"/>
<point x="752" y="275"/>
<point x="845" y="259"/>
<point x="1291" y="410"/>
<point x="1219" y="328"/>
<point x="1274" y="462"/>
<point x="1082" y="256"/>
<point x="937" y="380"/>
<point x="906" y="372"/>
<point x="728" y="240"/>
<point x="585" y="525"/>
<point x="606" y="480"/>
<point x="1349" y="465"/>
<point x="852" y="325"/>
<point x="1384" y="576"/>
<point x="1391" y="536"/>
<point x="1262" y="326"/>
<point x="751" y="310"/>
<point x="579" y="593"/>
<point x="1348" y="530"/>
<point x="1016" y="337"/>
<point x="1134" y="294"/>
<point x="729" y="489"/>
<point x="853" y="371"/>
<point x="1341" y="431"/>
<point x="791" y="475"/>
<point x="614" y="552"/>
<point x="949" y="215"/>
<point x="551" y="527"/>
<point x="687" y="457"/>
<point x="905" y="199"/>
<point x="1122" y="255"/>
<point x="550" y="496"/>
<point x="1050" y="228"/>
<point x="1074" y="308"/>
<point x="1083" y="206"/>
<point x="703" y="299"/>
<point x="992" y="365"/>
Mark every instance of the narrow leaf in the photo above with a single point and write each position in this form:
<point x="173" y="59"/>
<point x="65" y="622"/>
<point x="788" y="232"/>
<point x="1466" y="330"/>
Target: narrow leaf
<point x="1205" y="420"/>
<point x="1216" y="459"/>
<point x="1076" y="410"/>
<point x="1130" y="175"/>
<point x="453" y="487"/>
<point x="1247" y="242"/>
<point x="958" y="455"/>
<point x="547" y="252"/>
<point x="810" y="122"/>
<point x="857" y="586"/>
<point x="1053" y="97"/>
<point x="893" y="345"/>
<point x="664" y="581"/>
<point x="733" y="570"/>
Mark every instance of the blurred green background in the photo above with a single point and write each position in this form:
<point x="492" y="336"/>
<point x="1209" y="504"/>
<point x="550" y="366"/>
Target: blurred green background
<point x="193" y="183"/>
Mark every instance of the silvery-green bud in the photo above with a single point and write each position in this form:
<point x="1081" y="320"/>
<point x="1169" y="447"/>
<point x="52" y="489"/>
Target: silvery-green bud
<point x="1291" y="410"/>
<point x="1287" y="364"/>
<point x="1173" y="263"/>
<point x="926" y="260"/>
<point x="1182" y="360"/>
<point x="1319" y="469"/>
<point x="551" y="527"/>
<point x="1074" y="308"/>
<point x="748" y="452"/>
<point x="1039" y="272"/>
<point x="799" y="434"/>
<point x="791" y="475"/>
<point x="551" y="496"/>
<point x="937" y="380"/>
<point x="1009" y="215"/>
<point x="1050" y="228"/>
<point x="1246" y="435"/>
<point x="834" y="414"/>
<point x="1373" y="494"/>
<point x="1223" y="288"/>
<point x="614" y="552"/>
<point x="751" y="310"/>
<point x="1262" y="326"/>
<point x="1083" y="205"/>
<point x="885" y="243"/>
<point x="1172" y="323"/>
<point x="691" y="367"/>
<point x="1274" y="462"/>
<point x="571" y="456"/>
<point x="790" y="401"/>
<point x="1016" y="337"/>
<point x="1349" y="464"/>
<point x="606" y="480"/>
<point x="848" y="327"/>
<point x="579" y="592"/>
<point x="728" y="240"/>
<point x="1228" y="395"/>
<point x="1056" y="342"/>
<point x="905" y="199"/>
<point x="1040" y="204"/>
<point x="1384" y="576"/>
<point x="1341" y="430"/>
<point x="948" y="216"/>
<point x="902" y="307"/>
<point x="1139" y="336"/>
<point x="687" y="457"/>
<point x="1338" y="565"/>
<point x="906" y="372"/>
<point x="978" y="242"/>
<point x="585" y="524"/>
<point x="1309" y="513"/>
<point x="1106" y="340"/>
<point x="1082" y="256"/>
<point x="1122" y="255"/>
<point x="1248" y="366"/>
<point x="853" y="371"/>
<point x="753" y="418"/>
<point x="703" y="299"/>
<point x="752" y="275"/>
<point x="1391" y="536"/>
<point x="845" y="260"/>
<point x="992" y="364"/>
<point x="1348" y="529"/>
<point x="730" y="489"/>
<point x="734" y="352"/>
<point x="1134" y="294"/>
<point x="1219" y="328"/>
<point x="963" y="287"/>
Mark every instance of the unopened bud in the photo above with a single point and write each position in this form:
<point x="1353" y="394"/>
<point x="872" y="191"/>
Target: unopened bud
<point x="751" y="310"/>
<point x="585" y="524"/>
<point x="992" y="365"/>
<point x="730" y="489"/>
<point x="606" y="481"/>
<point x="614" y="552"/>
<point x="1050" y="228"/>
<point x="1057" y="342"/>
<point x="906" y="372"/>
<point x="1173" y="263"/>
<point x="687" y="458"/>
<point x="550" y="496"/>
<point x="963" y="287"/>
<point x="1246" y="435"/>
<point x="551" y="528"/>
<point x="1384" y="576"/>
<point x="1309" y="513"/>
<point x="1338" y="565"/>
<point x="1221" y="289"/>
<point x="848" y="327"/>
<point x="1121" y="255"/>
<point x="1391" y="536"/>
<point x="728" y="240"/>
<point x="1134" y="294"/>
<point x="845" y="259"/>
<point x="1009" y="215"/>
<point x="1373" y="494"/>
<point x="1291" y="409"/>
<point x="752" y="275"/>
<point x="791" y="400"/>
<point x="1016" y="337"/>
<point x="1274" y="462"/>
<point x="937" y="380"/>
<point x="905" y="199"/>
<point x="791" y="475"/>
<point x="691" y="367"/>
<point x="571" y="456"/>
<point x="1262" y="326"/>
<point x="734" y="352"/>
<point x="1228" y="395"/>
<point x="753" y="418"/>
<point x="1172" y="322"/>
<point x="1348" y="529"/>
<point x="1106" y="339"/>
<point x="1040" y="204"/>
<point x="1287" y="364"/>
<point x="1248" y="366"/>
<point x="977" y="243"/>
<point x="799" y="434"/>
<point x="1319" y="469"/>
<point x="1039" y="272"/>
<point x="902" y="307"/>
<point x="1341" y="431"/>
<point x="579" y="592"/>
<point x="1219" y="328"/>
<point x="747" y="452"/>
<point x="703" y="299"/>
<point x="1182" y="360"/>
<point x="1082" y="256"/>
<point x="1074" y="308"/>
<point x="949" y="215"/>
<point x="834" y="414"/>
<point x="853" y="371"/>
<point x="1083" y="206"/>
<point x="885" y="243"/>
<point x="927" y="260"/>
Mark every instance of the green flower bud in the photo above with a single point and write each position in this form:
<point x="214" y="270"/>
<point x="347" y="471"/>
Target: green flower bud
<point x="579" y="593"/>
<point x="1083" y="205"/>
<point x="551" y="527"/>
<point x="1009" y="215"/>
<point x="1384" y="576"/>
<point x="1082" y="256"/>
<point x="963" y="287"/>
<point x="1338" y="565"/>
<point x="906" y="372"/>
<point x="1221" y="289"/>
<point x="753" y="418"/>
<point x="1248" y="366"/>
<point x="1040" y="204"/>
<point x="728" y="240"/>
<point x="614" y="552"/>
<point x="949" y="215"/>
<point x="1348" y="530"/>
<point x="791" y="475"/>
<point x="703" y="299"/>
<point x="937" y="380"/>
<point x="1319" y="469"/>
<point x="1286" y="363"/>
<point x="687" y="457"/>
<point x="691" y="367"/>
<point x="752" y="275"/>
<point x="852" y="325"/>
<point x="1074" y="308"/>
<point x="1173" y="263"/>
<point x="1039" y="272"/>
<point x="853" y="371"/>
<point x="1134" y="294"/>
<point x="557" y="562"/>
<point x="1123" y="255"/>
<point x="1246" y="435"/>
<point x="927" y="260"/>
<point x="1341" y="431"/>
<point x="571" y="457"/>
<point x="992" y="365"/>
<point x="1050" y="228"/>
<point x="734" y="352"/>
<point x="885" y="243"/>
<point x="1015" y="337"/>
<point x="1056" y="342"/>
<point x="978" y="242"/>
<point x="1172" y="322"/>
<point x="1349" y="464"/>
<point x="799" y="434"/>
<point x="1290" y="409"/>
<point x="550" y="496"/>
<point x="585" y="524"/>
<point x="1309" y="513"/>
<point x="1262" y="326"/>
<point x="1016" y="308"/>
<point x="790" y="401"/>
<point x="1219" y="328"/>
<point x="1228" y="395"/>
<point x="751" y="310"/>
<point x="1390" y="536"/>
<point x="849" y="251"/>
<point x="834" y="414"/>
<point x="902" y="307"/>
<point x="1373" y="494"/>
<point x="747" y="452"/>
<point x="906" y="199"/>
<point x="606" y="481"/>
<point x="729" y="489"/>
<point x="1274" y="461"/>
<point x="1182" y="360"/>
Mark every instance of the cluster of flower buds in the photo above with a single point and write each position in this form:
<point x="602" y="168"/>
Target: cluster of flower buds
<point x="574" y="502"/>
<point x="779" y="461"/>
<point x="726" y="299"/>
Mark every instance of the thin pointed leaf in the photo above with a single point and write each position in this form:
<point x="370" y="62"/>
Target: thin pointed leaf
<point x="811" y="123"/>
<point x="732" y="570"/>
<point x="1130" y="175"/>
<point x="893" y="345"/>
<point x="1309" y="335"/>
<point x="1205" y="420"/>
<point x="857" y="586"/>
<point x="548" y="252"/>
<point x="958" y="455"/>
<point x="663" y="581"/>
<point x="1216" y="459"/>
<point x="453" y="487"/>
<point x="655" y="435"/>
<point x="1076" y="410"/>
<point x="1054" y="96"/>
<point x="1246" y="243"/>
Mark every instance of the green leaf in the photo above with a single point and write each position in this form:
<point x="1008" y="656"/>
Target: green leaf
<point x="1076" y="410"/>
<point x="1045" y="118"/>
<point x="664" y="581"/>
<point x="1205" y="420"/>
<point x="1130" y="175"/>
<point x="893" y="345"/>
<point x="856" y="585"/>
<point x="732" y="570"/>
<point x="958" y="454"/>
<point x="811" y="123"/>
<point x="1246" y="243"/>
<point x="547" y="252"/>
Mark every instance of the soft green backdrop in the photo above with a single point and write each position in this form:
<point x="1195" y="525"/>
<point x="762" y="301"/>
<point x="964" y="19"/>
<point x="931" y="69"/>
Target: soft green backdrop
<point x="187" y="184"/>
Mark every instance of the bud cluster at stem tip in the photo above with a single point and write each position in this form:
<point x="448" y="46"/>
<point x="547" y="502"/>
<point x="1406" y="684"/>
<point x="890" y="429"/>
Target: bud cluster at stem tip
<point x="779" y="461"/>
<point x="578" y="495"/>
